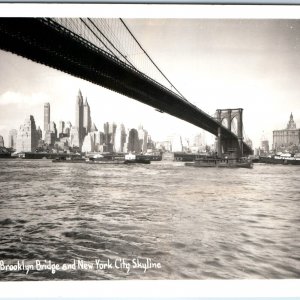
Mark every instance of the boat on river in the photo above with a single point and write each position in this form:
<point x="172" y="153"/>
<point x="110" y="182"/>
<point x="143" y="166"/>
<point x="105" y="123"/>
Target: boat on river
<point x="282" y="159"/>
<point x="69" y="160"/>
<point x="136" y="159"/>
<point x="213" y="162"/>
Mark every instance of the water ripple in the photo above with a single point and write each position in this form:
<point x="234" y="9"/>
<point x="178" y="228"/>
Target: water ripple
<point x="198" y="223"/>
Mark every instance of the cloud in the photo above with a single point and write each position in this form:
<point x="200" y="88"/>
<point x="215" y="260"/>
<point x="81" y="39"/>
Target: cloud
<point x="13" y="98"/>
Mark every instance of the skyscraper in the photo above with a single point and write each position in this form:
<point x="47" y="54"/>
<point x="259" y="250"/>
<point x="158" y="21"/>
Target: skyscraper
<point x="86" y="118"/>
<point x="67" y="129"/>
<point x="77" y="132"/>
<point x="46" y="117"/>
<point x="133" y="144"/>
<point x="61" y="127"/>
<point x="88" y="144"/>
<point x="39" y="133"/>
<point x="120" y="139"/>
<point x="93" y="128"/>
<point x="1" y="141"/>
<point x="49" y="138"/>
<point x="79" y="113"/>
<point x="74" y="137"/>
<point x="12" y="139"/>
<point x="27" y="136"/>
<point x="99" y="141"/>
<point x="143" y="134"/>
<point x="53" y="129"/>
<point x="109" y="132"/>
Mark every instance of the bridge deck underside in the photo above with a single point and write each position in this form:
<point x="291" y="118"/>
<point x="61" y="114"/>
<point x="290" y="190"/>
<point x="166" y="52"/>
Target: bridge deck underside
<point x="49" y="44"/>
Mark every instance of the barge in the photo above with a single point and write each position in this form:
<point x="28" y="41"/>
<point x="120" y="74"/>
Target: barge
<point x="211" y="162"/>
<point x="282" y="159"/>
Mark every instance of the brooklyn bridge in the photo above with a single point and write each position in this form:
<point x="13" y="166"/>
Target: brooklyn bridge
<point x="107" y="53"/>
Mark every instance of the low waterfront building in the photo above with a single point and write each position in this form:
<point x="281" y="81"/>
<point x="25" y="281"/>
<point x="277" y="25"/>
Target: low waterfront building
<point x="27" y="138"/>
<point x="62" y="144"/>
<point x="164" y="146"/>
<point x="287" y="139"/>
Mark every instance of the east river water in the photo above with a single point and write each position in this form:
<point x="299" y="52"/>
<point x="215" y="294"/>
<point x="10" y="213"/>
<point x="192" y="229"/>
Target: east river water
<point x="157" y="221"/>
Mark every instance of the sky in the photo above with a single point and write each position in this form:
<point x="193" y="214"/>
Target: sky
<point x="214" y="63"/>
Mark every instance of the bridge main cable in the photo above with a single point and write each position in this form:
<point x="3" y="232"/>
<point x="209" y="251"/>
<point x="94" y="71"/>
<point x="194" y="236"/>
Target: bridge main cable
<point x="161" y="72"/>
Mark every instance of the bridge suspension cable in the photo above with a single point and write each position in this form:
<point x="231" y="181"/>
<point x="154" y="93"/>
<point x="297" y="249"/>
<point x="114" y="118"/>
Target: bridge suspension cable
<point x="151" y="59"/>
<point x="114" y="37"/>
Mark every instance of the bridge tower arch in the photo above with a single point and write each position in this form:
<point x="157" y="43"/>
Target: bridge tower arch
<point x="229" y="115"/>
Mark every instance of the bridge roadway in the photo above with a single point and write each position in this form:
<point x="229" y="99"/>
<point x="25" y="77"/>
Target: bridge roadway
<point x="44" y="41"/>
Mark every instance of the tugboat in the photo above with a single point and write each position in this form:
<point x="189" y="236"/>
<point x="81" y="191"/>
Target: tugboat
<point x="136" y="159"/>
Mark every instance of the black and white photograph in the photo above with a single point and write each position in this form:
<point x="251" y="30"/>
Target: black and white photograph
<point x="160" y="148"/>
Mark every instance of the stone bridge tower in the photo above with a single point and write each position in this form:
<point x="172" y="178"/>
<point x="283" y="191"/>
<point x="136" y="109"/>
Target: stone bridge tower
<point x="225" y="145"/>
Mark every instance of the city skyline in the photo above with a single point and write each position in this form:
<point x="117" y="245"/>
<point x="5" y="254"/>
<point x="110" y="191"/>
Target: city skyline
<point x="85" y="136"/>
<point x="256" y="71"/>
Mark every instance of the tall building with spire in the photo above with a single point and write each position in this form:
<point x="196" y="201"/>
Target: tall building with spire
<point x="77" y="130"/>
<point x="79" y="112"/>
<point x="291" y="124"/>
<point x="288" y="138"/>
<point x="86" y="118"/>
